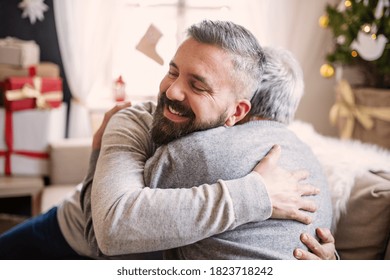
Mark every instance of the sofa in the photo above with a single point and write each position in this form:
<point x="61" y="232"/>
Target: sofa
<point x="69" y="160"/>
<point x="358" y="175"/>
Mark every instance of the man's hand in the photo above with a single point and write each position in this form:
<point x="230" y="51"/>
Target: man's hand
<point x="97" y="137"/>
<point x="285" y="190"/>
<point x="319" y="250"/>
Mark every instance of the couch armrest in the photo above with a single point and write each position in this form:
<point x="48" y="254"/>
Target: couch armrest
<point x="69" y="159"/>
<point x="363" y="230"/>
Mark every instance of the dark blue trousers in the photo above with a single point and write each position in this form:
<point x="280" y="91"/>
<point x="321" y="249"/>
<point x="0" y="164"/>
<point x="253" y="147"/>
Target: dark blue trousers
<point x="38" y="238"/>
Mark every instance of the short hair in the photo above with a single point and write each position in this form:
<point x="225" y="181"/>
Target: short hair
<point x="247" y="54"/>
<point x="280" y="88"/>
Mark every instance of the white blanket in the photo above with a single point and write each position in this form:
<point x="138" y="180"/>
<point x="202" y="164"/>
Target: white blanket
<point x="343" y="161"/>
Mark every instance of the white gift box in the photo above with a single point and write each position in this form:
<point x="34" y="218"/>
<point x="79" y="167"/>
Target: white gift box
<point x="19" y="52"/>
<point x="33" y="130"/>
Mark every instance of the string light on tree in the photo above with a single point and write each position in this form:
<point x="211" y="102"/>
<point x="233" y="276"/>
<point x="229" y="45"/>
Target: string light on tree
<point x="366" y="28"/>
<point x="340" y="40"/>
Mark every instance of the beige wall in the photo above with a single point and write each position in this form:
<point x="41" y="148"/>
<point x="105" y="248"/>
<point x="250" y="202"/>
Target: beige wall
<point x="315" y="105"/>
<point x="319" y="91"/>
<point x="318" y="98"/>
<point x="293" y="24"/>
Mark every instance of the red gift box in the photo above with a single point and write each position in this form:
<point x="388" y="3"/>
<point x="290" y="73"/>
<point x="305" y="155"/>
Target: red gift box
<point x="23" y="93"/>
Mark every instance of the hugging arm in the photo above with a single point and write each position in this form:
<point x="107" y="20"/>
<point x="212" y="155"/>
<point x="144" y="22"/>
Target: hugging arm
<point x="129" y="217"/>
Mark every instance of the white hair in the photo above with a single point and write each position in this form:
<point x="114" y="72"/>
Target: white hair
<point x="280" y="88"/>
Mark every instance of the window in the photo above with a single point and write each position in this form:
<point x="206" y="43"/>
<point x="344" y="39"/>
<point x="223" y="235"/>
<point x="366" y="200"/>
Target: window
<point x="142" y="74"/>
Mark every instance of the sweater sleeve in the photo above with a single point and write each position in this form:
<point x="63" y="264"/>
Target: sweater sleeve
<point x="85" y="202"/>
<point x="130" y="218"/>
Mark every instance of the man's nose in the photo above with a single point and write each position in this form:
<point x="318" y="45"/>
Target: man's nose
<point x="176" y="91"/>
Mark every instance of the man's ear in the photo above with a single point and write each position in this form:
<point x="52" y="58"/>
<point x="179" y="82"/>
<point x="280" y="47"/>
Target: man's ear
<point x="242" y="109"/>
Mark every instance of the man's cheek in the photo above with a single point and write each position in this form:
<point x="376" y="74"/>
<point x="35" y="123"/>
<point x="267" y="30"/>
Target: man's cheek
<point x="164" y="85"/>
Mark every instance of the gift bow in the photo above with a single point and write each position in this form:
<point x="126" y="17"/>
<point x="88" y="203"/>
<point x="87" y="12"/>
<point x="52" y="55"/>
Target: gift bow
<point x="28" y="91"/>
<point x="346" y="108"/>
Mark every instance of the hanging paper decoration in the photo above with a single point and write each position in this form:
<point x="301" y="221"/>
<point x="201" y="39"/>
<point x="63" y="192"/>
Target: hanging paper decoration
<point x="148" y="43"/>
<point x="33" y="9"/>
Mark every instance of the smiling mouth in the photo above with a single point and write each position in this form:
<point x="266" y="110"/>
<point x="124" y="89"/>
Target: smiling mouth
<point x="173" y="111"/>
<point x="174" y="115"/>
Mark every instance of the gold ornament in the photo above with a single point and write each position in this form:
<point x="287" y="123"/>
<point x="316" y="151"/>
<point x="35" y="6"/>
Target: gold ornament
<point x="348" y="3"/>
<point x="323" y="21"/>
<point x="327" y="70"/>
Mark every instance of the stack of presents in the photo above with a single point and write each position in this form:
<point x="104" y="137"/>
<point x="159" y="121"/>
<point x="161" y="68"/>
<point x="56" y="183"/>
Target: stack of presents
<point x="31" y="109"/>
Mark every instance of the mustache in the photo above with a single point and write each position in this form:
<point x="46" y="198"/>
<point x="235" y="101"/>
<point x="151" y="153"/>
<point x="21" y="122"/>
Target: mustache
<point x="176" y="105"/>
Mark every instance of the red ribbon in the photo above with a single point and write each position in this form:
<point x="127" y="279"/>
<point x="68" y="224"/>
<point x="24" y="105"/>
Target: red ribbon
<point x="7" y="165"/>
<point x="32" y="71"/>
<point x="9" y="142"/>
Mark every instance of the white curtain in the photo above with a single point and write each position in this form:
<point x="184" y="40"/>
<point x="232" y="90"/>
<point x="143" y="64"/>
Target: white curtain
<point x="84" y="29"/>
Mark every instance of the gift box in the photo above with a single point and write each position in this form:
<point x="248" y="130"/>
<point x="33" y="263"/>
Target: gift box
<point x="362" y="114"/>
<point x="18" y="52"/>
<point x="21" y="93"/>
<point x="24" y="139"/>
<point x="43" y="69"/>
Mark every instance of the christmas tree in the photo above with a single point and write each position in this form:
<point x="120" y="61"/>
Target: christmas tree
<point x="361" y="32"/>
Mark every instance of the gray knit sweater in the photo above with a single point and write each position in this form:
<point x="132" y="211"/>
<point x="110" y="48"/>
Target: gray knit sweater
<point x="129" y="217"/>
<point x="232" y="152"/>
